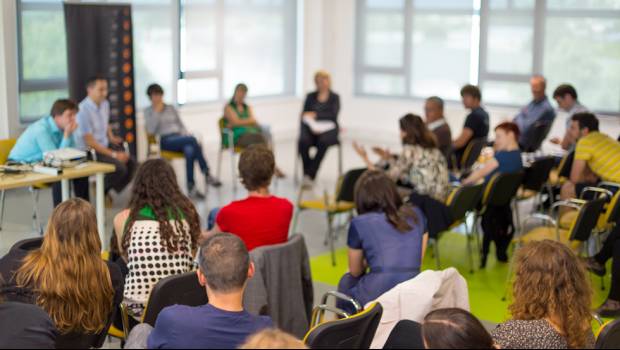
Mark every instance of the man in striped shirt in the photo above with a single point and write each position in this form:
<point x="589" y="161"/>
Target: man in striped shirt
<point x="597" y="156"/>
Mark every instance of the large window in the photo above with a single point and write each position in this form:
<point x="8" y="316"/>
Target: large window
<point x="418" y="48"/>
<point x="196" y="49"/>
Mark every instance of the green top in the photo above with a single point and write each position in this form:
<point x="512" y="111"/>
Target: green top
<point x="147" y="213"/>
<point x="238" y="131"/>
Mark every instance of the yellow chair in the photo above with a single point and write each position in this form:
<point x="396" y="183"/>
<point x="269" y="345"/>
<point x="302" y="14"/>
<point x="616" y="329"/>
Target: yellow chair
<point x="154" y="149"/>
<point x="341" y="202"/>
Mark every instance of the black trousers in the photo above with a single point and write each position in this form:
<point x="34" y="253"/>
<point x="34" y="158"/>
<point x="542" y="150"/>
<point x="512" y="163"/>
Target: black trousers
<point x="611" y="250"/>
<point x="119" y="179"/>
<point x="322" y="142"/>
<point x="80" y="188"/>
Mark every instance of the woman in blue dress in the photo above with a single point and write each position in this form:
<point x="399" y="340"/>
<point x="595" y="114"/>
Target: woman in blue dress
<point x="386" y="241"/>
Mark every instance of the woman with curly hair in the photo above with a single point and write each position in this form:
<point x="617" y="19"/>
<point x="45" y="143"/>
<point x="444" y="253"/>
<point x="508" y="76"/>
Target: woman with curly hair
<point x="551" y="301"/>
<point x="158" y="232"/>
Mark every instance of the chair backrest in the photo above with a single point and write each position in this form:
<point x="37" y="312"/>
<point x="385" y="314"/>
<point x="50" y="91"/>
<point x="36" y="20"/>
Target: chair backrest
<point x="537" y="174"/>
<point x="535" y="136"/>
<point x="6" y="146"/>
<point x="587" y="219"/>
<point x="613" y="211"/>
<point x="463" y="200"/>
<point x="566" y="165"/>
<point x="355" y="332"/>
<point x="472" y="152"/>
<point x="181" y="289"/>
<point x="501" y="189"/>
<point x="609" y="336"/>
<point x="346" y="188"/>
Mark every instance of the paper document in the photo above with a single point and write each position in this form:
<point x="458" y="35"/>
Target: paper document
<point x="319" y="126"/>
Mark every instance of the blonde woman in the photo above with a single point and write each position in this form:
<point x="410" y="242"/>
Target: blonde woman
<point x="65" y="276"/>
<point x="323" y="105"/>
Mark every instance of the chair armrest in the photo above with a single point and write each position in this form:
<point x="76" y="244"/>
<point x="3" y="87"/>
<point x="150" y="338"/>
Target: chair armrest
<point x="343" y="297"/>
<point x="542" y="217"/>
<point x="599" y="190"/>
<point x="319" y="311"/>
<point x="125" y="320"/>
<point x="610" y="184"/>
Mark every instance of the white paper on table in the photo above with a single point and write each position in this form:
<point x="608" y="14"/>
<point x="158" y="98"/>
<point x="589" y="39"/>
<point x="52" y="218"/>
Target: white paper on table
<point x="319" y="126"/>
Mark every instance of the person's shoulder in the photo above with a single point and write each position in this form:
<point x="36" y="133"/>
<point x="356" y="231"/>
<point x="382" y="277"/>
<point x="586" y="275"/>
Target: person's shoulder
<point x="282" y="201"/>
<point x="176" y="315"/>
<point x="264" y="321"/>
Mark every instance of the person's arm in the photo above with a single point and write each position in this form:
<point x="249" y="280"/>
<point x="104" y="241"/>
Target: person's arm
<point x="113" y="138"/>
<point x="577" y="171"/>
<point x="251" y="116"/>
<point x="119" y="228"/>
<point x="46" y="143"/>
<point x="308" y="112"/>
<point x="234" y="120"/>
<point x="361" y="151"/>
<point x="463" y="139"/>
<point x="162" y="335"/>
<point x="152" y="122"/>
<point x="177" y="117"/>
<point x="424" y="245"/>
<point x="481" y="173"/>
<point x="567" y="141"/>
<point x="356" y="262"/>
<point x="399" y="168"/>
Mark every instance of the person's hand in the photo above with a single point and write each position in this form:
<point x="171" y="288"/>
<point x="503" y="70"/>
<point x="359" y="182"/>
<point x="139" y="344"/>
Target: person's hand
<point x="383" y="153"/>
<point x="556" y="141"/>
<point x="122" y="156"/>
<point x="69" y="129"/>
<point x="360" y="150"/>
<point x="116" y="140"/>
<point x="311" y="115"/>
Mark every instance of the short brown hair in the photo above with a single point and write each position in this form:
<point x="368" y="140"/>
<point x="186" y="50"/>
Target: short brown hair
<point x="256" y="167"/>
<point x="471" y="90"/>
<point x="224" y="261"/>
<point x="509" y="127"/>
<point x="273" y="339"/>
<point x="60" y="106"/>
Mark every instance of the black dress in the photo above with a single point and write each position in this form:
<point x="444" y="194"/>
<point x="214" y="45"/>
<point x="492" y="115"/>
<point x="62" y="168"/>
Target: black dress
<point x="325" y="111"/>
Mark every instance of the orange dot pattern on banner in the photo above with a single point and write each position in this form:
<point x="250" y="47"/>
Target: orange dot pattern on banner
<point x="129" y="137"/>
<point x="126" y="54"/>
<point x="128" y="111"/>
<point x="127" y="82"/>
<point x="127" y="96"/>
<point x="126" y="39"/>
<point x="126" y="68"/>
<point x="128" y="123"/>
<point x="126" y="25"/>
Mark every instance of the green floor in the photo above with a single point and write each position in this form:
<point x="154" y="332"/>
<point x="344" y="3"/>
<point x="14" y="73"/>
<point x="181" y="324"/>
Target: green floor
<point x="486" y="287"/>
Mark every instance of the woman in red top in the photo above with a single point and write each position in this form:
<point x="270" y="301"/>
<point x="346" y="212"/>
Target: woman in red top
<point x="260" y="219"/>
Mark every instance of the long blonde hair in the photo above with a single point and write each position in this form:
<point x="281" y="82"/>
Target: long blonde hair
<point x="551" y="283"/>
<point x="71" y="281"/>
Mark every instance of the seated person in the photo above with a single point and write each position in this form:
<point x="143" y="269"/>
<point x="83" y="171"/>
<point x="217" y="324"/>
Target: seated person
<point x="260" y="219"/>
<point x="66" y="276"/>
<point x="477" y="122"/>
<point x="225" y="268"/>
<point x="597" y="156"/>
<point x="161" y="218"/>
<point x="51" y="133"/>
<point x="433" y="111"/>
<point x="566" y="97"/>
<point x="551" y="301"/>
<point x="421" y="165"/>
<point x="321" y="105"/>
<point x="386" y="241"/>
<point x="94" y="132"/>
<point x="163" y="120"/>
<point x="25" y="326"/>
<point x="245" y="127"/>
<point x="537" y="111"/>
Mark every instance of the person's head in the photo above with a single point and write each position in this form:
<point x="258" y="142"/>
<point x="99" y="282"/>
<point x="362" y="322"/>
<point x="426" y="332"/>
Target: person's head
<point x="240" y="93"/>
<point x="155" y="186"/>
<point x="64" y="112"/>
<point x="538" y="84"/>
<point x="273" y="339"/>
<point x="582" y="124"/>
<point x="506" y="136"/>
<point x="224" y="264"/>
<point x="471" y="96"/>
<point x="413" y="131"/>
<point x="155" y="93"/>
<point x="256" y="167"/>
<point x="566" y="96"/>
<point x="551" y="283"/>
<point x="97" y="88"/>
<point x="322" y="80"/>
<point x="72" y="281"/>
<point x="454" y="329"/>
<point x="376" y="193"/>
<point x="433" y="109"/>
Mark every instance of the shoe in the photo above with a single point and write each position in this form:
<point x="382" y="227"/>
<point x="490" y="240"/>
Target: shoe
<point x="195" y="194"/>
<point x="483" y="261"/>
<point x="213" y="182"/>
<point x="609" y="309"/>
<point x="307" y="183"/>
<point x="594" y="266"/>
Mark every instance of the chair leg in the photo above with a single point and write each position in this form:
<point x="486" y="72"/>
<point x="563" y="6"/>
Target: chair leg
<point x="233" y="168"/>
<point x="295" y="220"/>
<point x="296" y="170"/>
<point x="436" y="252"/>
<point x="340" y="160"/>
<point x="219" y="163"/>
<point x="470" y="254"/>
<point x="518" y="217"/>
<point x="2" y="198"/>
<point x="509" y="275"/>
<point x="330" y="237"/>
<point x="35" y="211"/>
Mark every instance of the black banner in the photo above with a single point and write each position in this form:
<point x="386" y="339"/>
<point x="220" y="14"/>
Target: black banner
<point x="100" y="42"/>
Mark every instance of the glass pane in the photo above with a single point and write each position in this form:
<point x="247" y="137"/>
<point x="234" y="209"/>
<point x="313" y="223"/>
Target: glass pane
<point x="34" y="105"/>
<point x="444" y="4"/>
<point x="385" y="4"/>
<point x="510" y="44"/>
<point x="585" y="52"/>
<point x="383" y="84"/>
<point x="583" y="4"/>
<point x="514" y="4"/>
<point x="198" y="90"/>
<point x="44" y="48"/>
<point x="384" y="38"/>
<point x="198" y="35"/>
<point x="441" y="55"/>
<point x="509" y="93"/>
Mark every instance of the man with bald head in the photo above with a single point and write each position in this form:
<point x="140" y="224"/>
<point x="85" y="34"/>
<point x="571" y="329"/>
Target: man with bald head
<point x="536" y="112"/>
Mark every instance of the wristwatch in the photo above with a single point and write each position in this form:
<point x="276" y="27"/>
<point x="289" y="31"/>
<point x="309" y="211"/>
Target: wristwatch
<point x="114" y="154"/>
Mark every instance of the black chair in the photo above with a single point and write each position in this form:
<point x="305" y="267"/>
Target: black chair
<point x="609" y="336"/>
<point x="535" y="179"/>
<point x="29" y="244"/>
<point x="354" y="332"/>
<point x="535" y="136"/>
<point x="180" y="289"/>
<point x="472" y="152"/>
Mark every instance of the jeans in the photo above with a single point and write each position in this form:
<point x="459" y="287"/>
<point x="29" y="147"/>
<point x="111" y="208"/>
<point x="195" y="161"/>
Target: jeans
<point x="192" y="151"/>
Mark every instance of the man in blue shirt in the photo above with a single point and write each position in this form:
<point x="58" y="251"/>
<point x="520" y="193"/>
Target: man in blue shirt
<point x="538" y="112"/>
<point x="94" y="132"/>
<point x="225" y="268"/>
<point x="51" y="133"/>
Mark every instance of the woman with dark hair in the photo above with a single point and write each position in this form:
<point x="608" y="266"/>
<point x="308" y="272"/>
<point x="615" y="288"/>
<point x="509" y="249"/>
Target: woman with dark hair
<point x="386" y="241"/>
<point x="163" y="120"/>
<point x="420" y="165"/>
<point x="158" y="233"/>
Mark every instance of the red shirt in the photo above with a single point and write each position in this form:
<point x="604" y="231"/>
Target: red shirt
<point x="257" y="221"/>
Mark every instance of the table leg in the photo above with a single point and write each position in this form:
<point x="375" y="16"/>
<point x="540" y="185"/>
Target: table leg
<point x="64" y="184"/>
<point x="101" y="211"/>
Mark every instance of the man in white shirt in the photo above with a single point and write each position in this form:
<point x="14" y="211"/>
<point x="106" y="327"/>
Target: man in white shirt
<point x="566" y="97"/>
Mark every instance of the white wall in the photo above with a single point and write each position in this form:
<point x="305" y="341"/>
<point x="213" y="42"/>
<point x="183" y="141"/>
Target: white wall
<point x="8" y="70"/>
